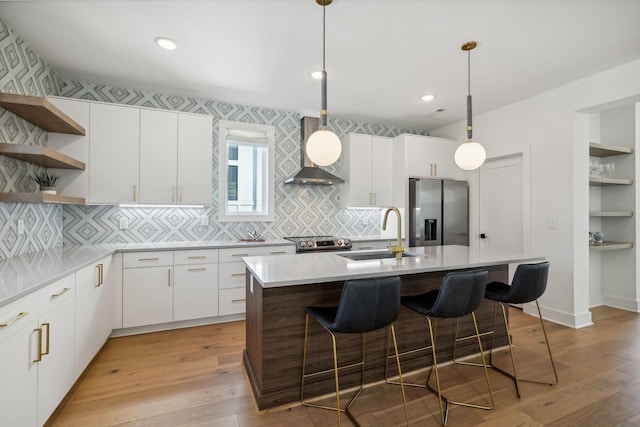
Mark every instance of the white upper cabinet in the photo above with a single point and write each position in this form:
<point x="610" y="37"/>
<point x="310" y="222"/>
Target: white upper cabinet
<point x="136" y="155"/>
<point x="367" y="164"/>
<point x="114" y="154"/>
<point x="195" y="159"/>
<point x="158" y="156"/>
<point x="430" y="157"/>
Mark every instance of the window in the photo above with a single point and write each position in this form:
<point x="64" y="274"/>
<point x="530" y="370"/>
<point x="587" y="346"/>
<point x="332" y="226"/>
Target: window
<point x="246" y="172"/>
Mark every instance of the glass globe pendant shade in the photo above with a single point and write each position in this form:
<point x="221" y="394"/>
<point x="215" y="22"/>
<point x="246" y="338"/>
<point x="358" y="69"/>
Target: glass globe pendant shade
<point x="323" y="147"/>
<point x="470" y="155"/>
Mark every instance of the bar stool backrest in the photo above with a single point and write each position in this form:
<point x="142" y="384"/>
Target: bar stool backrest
<point x="461" y="292"/>
<point x="367" y="304"/>
<point x="529" y="283"/>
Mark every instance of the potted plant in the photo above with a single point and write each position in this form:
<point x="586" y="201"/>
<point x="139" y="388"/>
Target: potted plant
<point x="47" y="182"/>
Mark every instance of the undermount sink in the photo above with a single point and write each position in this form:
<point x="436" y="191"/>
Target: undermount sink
<point x="373" y="255"/>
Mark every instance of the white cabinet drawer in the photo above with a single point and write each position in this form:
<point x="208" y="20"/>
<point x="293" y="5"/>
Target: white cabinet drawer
<point x="232" y="275"/>
<point x="232" y="301"/>
<point x="147" y="259"/>
<point x="19" y="314"/>
<point x="236" y="254"/>
<point x="196" y="256"/>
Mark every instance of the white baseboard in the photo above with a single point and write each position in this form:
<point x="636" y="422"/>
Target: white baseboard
<point x="575" y="321"/>
<point x="621" y="303"/>
<point x="175" y="325"/>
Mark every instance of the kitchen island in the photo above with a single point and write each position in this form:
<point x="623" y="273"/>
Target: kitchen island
<point x="279" y="289"/>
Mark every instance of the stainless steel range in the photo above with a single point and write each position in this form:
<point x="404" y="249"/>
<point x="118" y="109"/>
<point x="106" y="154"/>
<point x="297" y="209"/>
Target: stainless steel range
<point x="320" y="243"/>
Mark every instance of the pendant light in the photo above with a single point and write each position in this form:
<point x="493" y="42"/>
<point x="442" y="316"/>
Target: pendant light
<point x="469" y="155"/>
<point x="323" y="146"/>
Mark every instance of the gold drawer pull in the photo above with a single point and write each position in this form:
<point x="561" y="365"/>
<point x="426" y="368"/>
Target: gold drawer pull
<point x="238" y="274"/>
<point x="14" y="320"/>
<point x="240" y="255"/>
<point x="57" y="294"/>
<point x="278" y="253"/>
<point x="39" y="331"/>
<point x="148" y="259"/>
<point x="197" y="257"/>
<point x="48" y="328"/>
<point x="196" y="269"/>
<point x="238" y="300"/>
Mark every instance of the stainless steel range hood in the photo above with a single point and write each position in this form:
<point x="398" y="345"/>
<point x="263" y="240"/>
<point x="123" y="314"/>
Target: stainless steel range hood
<point x="310" y="172"/>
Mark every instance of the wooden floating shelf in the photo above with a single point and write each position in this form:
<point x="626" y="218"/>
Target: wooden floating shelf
<point x="40" y="198"/>
<point x="598" y="182"/>
<point x="610" y="213"/>
<point x="610" y="246"/>
<point x="602" y="150"/>
<point x="40" y="112"/>
<point x="42" y="156"/>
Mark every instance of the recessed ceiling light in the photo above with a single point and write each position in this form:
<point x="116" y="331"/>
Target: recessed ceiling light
<point x="166" y="43"/>
<point x="317" y="75"/>
<point x="429" y="97"/>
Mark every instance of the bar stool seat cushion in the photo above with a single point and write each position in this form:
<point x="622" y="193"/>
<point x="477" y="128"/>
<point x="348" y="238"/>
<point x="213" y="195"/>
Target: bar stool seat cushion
<point x="365" y="306"/>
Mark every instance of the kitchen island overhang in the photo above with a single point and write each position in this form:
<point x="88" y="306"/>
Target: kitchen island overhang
<point x="279" y="289"/>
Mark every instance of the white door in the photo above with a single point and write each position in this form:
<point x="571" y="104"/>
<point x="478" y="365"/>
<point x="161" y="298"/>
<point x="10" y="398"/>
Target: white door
<point x="502" y="198"/>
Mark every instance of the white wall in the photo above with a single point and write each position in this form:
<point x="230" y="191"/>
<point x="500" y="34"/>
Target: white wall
<point x="551" y="123"/>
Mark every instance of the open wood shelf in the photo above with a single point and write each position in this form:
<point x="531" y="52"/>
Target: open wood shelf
<point x="597" y="182"/>
<point x="610" y="213"/>
<point x="610" y="246"/>
<point x="602" y="150"/>
<point x="42" y="156"/>
<point x="40" y="112"/>
<point x="40" y="198"/>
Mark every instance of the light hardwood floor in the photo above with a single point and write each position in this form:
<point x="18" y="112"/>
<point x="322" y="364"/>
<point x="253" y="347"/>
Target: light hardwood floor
<point x="195" y="377"/>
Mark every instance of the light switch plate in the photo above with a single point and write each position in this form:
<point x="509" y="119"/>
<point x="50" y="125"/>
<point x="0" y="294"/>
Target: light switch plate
<point x="123" y="223"/>
<point x="204" y="220"/>
<point x="552" y="223"/>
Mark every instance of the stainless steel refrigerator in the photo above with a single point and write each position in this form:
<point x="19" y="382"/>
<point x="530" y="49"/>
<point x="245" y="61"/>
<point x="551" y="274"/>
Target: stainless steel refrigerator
<point x="438" y="212"/>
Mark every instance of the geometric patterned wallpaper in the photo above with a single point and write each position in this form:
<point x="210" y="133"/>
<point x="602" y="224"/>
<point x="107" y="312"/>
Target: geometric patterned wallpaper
<point x="299" y="210"/>
<point x="23" y="72"/>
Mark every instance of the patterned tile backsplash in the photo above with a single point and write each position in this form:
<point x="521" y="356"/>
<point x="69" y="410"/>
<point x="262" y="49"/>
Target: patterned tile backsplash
<point x="300" y="210"/>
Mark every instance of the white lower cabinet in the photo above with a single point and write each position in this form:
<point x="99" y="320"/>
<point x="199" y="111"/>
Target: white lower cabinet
<point x="232" y="282"/>
<point x="195" y="291"/>
<point x="94" y="314"/>
<point x="37" y="353"/>
<point x="147" y="291"/>
<point x="56" y="368"/>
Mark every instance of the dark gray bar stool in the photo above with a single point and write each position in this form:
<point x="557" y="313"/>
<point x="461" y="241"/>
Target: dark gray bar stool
<point x="528" y="284"/>
<point x="365" y="305"/>
<point x="460" y="294"/>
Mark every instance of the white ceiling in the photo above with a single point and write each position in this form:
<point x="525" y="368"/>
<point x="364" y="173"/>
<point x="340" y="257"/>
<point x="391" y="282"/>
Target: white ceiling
<point x="382" y="55"/>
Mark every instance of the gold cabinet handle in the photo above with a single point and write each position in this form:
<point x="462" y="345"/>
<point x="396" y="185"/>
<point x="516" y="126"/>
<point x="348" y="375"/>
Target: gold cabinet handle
<point x="100" y="268"/>
<point x="135" y="193"/>
<point x="238" y="300"/>
<point x="238" y="274"/>
<point x="278" y="253"/>
<point x="435" y="168"/>
<point x="57" y="294"/>
<point x="39" y="358"/>
<point x="240" y="255"/>
<point x="196" y="269"/>
<point x="14" y="320"/>
<point x="169" y="277"/>
<point x="47" y="336"/>
<point x="148" y="259"/>
<point x="197" y="257"/>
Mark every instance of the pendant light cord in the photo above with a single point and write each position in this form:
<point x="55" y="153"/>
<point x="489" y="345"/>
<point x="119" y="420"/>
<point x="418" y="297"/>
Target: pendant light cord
<point x="324" y="30"/>
<point x="469" y="113"/>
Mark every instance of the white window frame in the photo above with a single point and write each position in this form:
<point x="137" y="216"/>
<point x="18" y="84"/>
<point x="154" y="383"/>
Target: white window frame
<point x="270" y="131"/>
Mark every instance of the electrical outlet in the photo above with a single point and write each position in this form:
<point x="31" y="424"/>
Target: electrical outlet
<point x="123" y="223"/>
<point x="552" y="223"/>
<point x="204" y="220"/>
<point x="20" y="226"/>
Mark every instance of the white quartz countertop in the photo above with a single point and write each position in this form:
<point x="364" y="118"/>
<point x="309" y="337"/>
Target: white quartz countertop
<point x="289" y="270"/>
<point x="24" y="274"/>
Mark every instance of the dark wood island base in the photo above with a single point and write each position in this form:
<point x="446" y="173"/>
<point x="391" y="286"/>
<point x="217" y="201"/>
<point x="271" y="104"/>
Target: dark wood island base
<point x="275" y="333"/>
